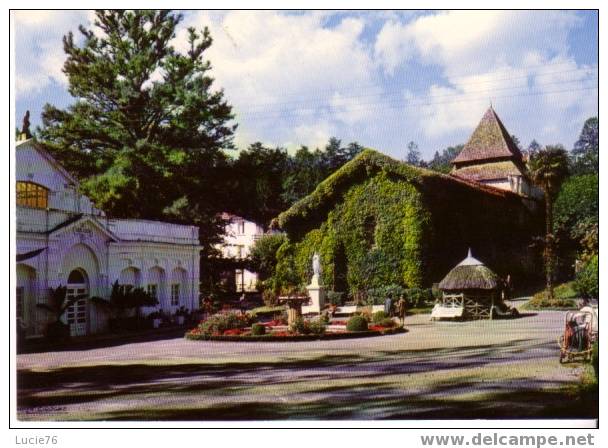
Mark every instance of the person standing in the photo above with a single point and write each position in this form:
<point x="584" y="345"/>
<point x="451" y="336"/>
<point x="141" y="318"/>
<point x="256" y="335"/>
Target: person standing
<point x="401" y="309"/>
<point x="388" y="306"/>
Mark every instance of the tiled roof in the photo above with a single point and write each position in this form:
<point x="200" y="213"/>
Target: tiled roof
<point x="488" y="171"/>
<point x="490" y="140"/>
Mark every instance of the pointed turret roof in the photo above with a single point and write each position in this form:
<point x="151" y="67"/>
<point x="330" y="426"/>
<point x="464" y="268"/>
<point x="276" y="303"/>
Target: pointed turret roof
<point x="489" y="141"/>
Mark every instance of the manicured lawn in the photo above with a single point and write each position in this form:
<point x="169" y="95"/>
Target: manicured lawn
<point x="482" y="369"/>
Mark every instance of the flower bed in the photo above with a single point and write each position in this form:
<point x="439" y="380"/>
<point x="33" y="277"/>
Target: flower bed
<point x="286" y="336"/>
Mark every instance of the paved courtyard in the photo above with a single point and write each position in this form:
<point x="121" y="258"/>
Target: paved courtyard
<point x="482" y="369"/>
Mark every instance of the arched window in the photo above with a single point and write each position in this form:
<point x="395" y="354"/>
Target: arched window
<point x="30" y="194"/>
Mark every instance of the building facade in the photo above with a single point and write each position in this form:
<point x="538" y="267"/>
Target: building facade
<point x="239" y="237"/>
<point x="63" y="240"/>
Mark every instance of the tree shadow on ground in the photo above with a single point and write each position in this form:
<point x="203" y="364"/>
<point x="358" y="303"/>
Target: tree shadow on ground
<point x="227" y="390"/>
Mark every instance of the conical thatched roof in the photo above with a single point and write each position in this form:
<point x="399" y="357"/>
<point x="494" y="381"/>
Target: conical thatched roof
<point x="470" y="274"/>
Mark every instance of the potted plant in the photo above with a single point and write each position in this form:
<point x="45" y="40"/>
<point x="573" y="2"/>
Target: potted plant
<point x="156" y="317"/>
<point x="181" y="315"/>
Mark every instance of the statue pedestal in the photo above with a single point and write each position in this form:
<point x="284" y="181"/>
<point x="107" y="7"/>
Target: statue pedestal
<point x="316" y="292"/>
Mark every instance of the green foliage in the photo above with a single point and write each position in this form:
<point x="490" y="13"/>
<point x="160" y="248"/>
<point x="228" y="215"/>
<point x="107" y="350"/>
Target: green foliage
<point x="577" y="201"/>
<point x="379" y="316"/>
<point x="442" y="162"/>
<point x="356" y="323"/>
<point x="258" y="329"/>
<point x="218" y="323"/>
<point x="587" y="280"/>
<point x="378" y="228"/>
<point x="377" y="296"/>
<point x="299" y="326"/>
<point x="266" y="311"/>
<point x="58" y="303"/>
<point x="335" y="297"/>
<point x="146" y="131"/>
<point x="386" y="322"/>
<point x="263" y="254"/>
<point x="378" y="222"/>
<point x="418" y="297"/>
<point x="586" y="154"/>
<point x="564" y="297"/>
<point x="316" y="327"/>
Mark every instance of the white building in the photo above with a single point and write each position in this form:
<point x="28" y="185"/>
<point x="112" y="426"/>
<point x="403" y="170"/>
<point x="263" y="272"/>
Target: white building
<point x="239" y="236"/>
<point x="62" y="239"/>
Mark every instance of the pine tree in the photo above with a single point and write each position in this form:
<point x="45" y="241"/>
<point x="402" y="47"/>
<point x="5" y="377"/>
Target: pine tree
<point x="146" y="131"/>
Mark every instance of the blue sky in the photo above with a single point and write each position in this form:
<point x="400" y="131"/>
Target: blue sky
<point x="381" y="78"/>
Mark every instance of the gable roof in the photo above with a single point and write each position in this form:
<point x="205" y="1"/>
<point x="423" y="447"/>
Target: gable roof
<point x="31" y="143"/>
<point x="490" y="140"/>
<point x="363" y="165"/>
<point x="80" y="219"/>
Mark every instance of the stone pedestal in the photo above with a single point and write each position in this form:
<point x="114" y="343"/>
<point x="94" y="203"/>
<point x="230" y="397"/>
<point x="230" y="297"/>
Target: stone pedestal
<point x="316" y="292"/>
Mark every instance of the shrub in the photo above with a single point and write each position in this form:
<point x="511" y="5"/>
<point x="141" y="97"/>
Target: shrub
<point x="316" y="327"/>
<point x="377" y="296"/>
<point x="418" y="297"/>
<point x="258" y="329"/>
<point x="387" y="323"/>
<point x="335" y="298"/>
<point x="379" y="316"/>
<point x="356" y="323"/>
<point x="586" y="283"/>
<point x="299" y="326"/>
<point x="218" y="323"/>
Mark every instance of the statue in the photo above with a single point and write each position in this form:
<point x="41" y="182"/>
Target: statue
<point x="25" y="126"/>
<point x="316" y="265"/>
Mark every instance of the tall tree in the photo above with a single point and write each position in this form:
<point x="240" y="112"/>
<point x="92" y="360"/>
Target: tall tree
<point x="413" y="154"/>
<point x="146" y="130"/>
<point x="585" y="154"/>
<point x="442" y="161"/>
<point x="548" y="170"/>
<point x="258" y="178"/>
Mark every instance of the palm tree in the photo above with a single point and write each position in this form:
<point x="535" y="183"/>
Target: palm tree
<point x="548" y="169"/>
<point x="57" y="305"/>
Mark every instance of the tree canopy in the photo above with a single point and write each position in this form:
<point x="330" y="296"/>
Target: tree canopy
<point x="585" y="154"/>
<point x="146" y="130"/>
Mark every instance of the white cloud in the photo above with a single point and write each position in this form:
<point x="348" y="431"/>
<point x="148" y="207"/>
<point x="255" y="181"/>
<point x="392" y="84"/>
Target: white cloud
<point x="39" y="47"/>
<point x="511" y="58"/>
<point x="274" y="64"/>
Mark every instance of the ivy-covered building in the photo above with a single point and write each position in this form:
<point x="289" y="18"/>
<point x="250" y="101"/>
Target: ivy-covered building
<point x="378" y="221"/>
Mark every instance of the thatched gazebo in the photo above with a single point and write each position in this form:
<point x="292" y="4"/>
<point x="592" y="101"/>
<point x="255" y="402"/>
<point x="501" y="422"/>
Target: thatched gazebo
<point x="470" y="290"/>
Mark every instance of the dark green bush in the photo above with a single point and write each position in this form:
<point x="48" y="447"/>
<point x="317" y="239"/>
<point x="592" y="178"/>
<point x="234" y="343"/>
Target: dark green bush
<point x="57" y="331"/>
<point x="387" y="322"/>
<point x="316" y="327"/>
<point x="586" y="283"/>
<point x="258" y="329"/>
<point x="379" y="316"/>
<point x="356" y="323"/>
<point x="299" y="326"/>
<point x="335" y="298"/>
<point x="377" y="296"/>
<point x="418" y="297"/>
<point x="218" y="323"/>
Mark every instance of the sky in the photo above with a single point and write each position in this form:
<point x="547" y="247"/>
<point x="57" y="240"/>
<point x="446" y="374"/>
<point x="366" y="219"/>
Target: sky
<point x="381" y="78"/>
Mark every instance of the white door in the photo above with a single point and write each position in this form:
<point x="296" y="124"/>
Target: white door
<point x="76" y="314"/>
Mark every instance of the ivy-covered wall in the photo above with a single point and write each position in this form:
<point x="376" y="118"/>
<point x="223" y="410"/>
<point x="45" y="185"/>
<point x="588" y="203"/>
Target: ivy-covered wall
<point x="377" y="221"/>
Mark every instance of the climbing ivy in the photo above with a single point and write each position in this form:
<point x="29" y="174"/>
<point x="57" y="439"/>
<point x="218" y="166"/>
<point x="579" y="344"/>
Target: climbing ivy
<point x="378" y="222"/>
